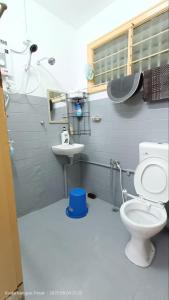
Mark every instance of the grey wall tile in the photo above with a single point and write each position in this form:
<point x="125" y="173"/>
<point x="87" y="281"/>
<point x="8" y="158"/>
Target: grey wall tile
<point x="74" y="176"/>
<point x="38" y="173"/>
<point x="117" y="136"/>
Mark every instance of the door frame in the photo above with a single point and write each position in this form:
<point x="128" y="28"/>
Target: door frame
<point x="9" y="206"/>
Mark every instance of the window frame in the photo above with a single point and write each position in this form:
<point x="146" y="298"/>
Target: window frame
<point x="129" y="26"/>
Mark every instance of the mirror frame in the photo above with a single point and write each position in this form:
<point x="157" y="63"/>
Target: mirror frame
<point x="49" y="113"/>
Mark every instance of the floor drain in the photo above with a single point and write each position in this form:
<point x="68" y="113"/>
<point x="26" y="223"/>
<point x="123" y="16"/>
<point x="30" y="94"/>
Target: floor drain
<point x="115" y="209"/>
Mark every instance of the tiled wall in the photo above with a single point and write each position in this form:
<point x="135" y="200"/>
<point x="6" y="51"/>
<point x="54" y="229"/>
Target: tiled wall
<point x="117" y="136"/>
<point x="38" y="173"/>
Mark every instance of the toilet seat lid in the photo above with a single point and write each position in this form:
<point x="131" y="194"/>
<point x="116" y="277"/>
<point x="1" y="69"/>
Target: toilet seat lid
<point x="151" y="180"/>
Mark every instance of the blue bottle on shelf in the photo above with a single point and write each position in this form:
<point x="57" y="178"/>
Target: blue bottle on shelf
<point x="78" y="109"/>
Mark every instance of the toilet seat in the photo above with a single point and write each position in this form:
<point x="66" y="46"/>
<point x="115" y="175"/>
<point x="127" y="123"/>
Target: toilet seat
<point x="151" y="180"/>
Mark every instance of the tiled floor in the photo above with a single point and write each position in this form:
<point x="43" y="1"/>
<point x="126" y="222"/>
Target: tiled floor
<point x="85" y="257"/>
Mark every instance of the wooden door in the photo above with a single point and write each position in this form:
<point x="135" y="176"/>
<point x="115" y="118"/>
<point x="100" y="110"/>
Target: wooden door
<point x="10" y="262"/>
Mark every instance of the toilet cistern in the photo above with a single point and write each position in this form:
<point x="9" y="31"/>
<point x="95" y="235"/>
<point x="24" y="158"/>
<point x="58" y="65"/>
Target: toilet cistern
<point x="145" y="215"/>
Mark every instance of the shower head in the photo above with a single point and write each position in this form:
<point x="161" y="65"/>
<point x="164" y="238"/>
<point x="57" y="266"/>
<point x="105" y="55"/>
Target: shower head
<point x="33" y="48"/>
<point x="51" y="60"/>
<point x="3" y="7"/>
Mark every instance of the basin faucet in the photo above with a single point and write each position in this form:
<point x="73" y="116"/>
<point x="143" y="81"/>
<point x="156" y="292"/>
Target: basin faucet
<point x="149" y="206"/>
<point x="71" y="141"/>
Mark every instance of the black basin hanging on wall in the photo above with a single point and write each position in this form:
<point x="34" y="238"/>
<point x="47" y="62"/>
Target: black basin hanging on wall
<point x="120" y="90"/>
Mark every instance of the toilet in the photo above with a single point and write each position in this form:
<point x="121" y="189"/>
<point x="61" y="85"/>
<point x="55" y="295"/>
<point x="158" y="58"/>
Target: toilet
<point x="145" y="215"/>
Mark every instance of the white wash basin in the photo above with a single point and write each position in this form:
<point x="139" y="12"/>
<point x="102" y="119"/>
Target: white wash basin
<point x="68" y="150"/>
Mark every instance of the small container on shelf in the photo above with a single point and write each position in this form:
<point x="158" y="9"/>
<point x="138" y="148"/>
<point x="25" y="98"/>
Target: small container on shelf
<point x="78" y="113"/>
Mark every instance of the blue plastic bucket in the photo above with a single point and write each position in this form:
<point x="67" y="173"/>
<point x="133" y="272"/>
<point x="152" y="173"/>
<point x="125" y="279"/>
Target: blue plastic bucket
<point x="77" y="203"/>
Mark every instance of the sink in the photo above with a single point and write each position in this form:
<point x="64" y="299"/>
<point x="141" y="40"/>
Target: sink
<point x="68" y="150"/>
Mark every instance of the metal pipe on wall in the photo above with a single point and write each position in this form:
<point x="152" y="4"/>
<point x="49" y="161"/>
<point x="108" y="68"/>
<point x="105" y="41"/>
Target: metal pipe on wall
<point x="72" y="162"/>
<point x="128" y="171"/>
<point x="65" y="169"/>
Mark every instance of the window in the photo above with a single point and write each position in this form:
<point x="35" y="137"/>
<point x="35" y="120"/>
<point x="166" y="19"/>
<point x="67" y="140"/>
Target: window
<point x="138" y="45"/>
<point x="110" y="60"/>
<point x="151" y="43"/>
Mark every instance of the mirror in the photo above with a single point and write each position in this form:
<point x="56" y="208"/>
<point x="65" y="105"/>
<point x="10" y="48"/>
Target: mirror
<point x="57" y="107"/>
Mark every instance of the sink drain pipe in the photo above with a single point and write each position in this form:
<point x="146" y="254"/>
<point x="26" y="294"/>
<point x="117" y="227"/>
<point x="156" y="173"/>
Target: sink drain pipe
<point x="65" y="180"/>
<point x="65" y="171"/>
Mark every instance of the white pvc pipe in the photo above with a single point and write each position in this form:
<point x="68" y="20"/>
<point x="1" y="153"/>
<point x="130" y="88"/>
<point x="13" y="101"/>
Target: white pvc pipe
<point x="65" y="166"/>
<point x="65" y="180"/>
<point x="131" y="196"/>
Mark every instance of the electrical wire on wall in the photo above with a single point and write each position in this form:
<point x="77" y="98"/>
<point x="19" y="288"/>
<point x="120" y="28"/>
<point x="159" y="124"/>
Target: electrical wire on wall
<point x="13" y="90"/>
<point x="27" y="41"/>
<point x="26" y="19"/>
<point x="47" y="72"/>
<point x="32" y="48"/>
<point x="28" y="69"/>
<point x="27" y="72"/>
<point x="36" y="72"/>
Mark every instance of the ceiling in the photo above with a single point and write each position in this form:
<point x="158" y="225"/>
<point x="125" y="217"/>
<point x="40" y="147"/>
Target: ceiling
<point x="75" y="12"/>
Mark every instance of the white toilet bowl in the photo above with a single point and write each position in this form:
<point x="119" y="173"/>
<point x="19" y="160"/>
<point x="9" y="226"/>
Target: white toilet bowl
<point x="143" y="220"/>
<point x="145" y="215"/>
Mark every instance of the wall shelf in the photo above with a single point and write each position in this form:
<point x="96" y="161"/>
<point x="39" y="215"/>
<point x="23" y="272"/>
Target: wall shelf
<point x="79" y="125"/>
